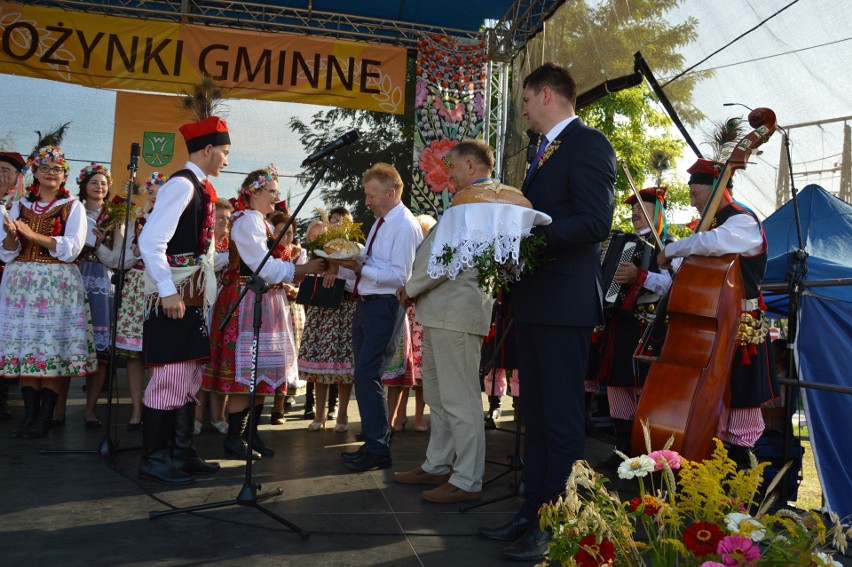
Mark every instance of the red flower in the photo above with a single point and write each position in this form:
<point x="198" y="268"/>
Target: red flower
<point x="592" y="554"/>
<point x="702" y="538"/>
<point x="118" y="199"/>
<point x="56" y="229"/>
<point x="432" y="163"/>
<point x="652" y="505"/>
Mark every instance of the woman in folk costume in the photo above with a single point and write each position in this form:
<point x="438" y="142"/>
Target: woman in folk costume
<point x="230" y="368"/>
<point x="131" y="313"/>
<point x="45" y="329"/>
<point x="100" y="256"/>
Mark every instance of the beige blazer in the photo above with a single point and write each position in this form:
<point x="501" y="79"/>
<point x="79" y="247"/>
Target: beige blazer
<point x="456" y="305"/>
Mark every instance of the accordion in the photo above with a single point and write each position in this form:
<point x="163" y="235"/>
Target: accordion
<point x="621" y="247"/>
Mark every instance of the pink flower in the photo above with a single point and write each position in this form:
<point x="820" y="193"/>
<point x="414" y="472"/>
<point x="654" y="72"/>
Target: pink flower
<point x="712" y="564"/>
<point x="736" y="550"/>
<point x="421" y="92"/>
<point x="14" y="361"/>
<point x="41" y="365"/>
<point x="660" y="457"/>
<point x="432" y="164"/>
<point x="30" y="360"/>
<point x="450" y="110"/>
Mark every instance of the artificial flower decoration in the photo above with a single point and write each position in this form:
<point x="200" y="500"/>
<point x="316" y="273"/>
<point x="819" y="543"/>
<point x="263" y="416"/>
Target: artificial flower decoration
<point x="269" y="174"/>
<point x="156" y="178"/>
<point x="94" y="169"/>
<point x="549" y="151"/>
<point x="48" y="154"/>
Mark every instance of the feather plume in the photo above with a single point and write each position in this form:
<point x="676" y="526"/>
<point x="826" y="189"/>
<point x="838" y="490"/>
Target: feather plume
<point x="204" y="99"/>
<point x="724" y="137"/>
<point x="659" y="163"/>
<point x="51" y="138"/>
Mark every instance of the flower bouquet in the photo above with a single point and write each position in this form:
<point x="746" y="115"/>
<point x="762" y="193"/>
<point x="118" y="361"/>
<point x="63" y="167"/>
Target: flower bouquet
<point x="115" y="211"/>
<point x="345" y="230"/>
<point x="688" y="513"/>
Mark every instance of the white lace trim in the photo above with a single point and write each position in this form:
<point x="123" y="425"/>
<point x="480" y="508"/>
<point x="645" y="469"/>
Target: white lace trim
<point x="471" y="230"/>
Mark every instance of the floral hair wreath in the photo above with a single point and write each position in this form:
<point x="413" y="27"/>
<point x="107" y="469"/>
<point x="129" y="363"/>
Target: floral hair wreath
<point x="94" y="169"/>
<point x="45" y="154"/>
<point x="156" y="178"/>
<point x="270" y="173"/>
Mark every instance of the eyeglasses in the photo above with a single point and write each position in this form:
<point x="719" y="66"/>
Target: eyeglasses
<point x="56" y="170"/>
<point x="274" y="192"/>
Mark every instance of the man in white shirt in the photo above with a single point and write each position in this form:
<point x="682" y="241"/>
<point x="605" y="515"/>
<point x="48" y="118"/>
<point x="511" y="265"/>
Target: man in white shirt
<point x="378" y="320"/>
<point x="177" y="248"/>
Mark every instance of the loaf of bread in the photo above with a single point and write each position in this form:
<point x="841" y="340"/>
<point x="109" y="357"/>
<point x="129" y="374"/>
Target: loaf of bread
<point x="341" y="247"/>
<point x="491" y="193"/>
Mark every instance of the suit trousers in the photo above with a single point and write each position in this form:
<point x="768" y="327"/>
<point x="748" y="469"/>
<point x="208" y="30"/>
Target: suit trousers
<point x="375" y="333"/>
<point x="450" y="375"/>
<point x="552" y="363"/>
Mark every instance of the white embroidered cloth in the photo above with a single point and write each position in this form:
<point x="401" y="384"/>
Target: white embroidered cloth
<point x="471" y="229"/>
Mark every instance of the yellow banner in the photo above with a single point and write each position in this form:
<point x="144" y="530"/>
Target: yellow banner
<point x="151" y="121"/>
<point x="147" y="55"/>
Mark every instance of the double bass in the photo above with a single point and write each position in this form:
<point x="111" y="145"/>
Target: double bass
<point x="687" y="386"/>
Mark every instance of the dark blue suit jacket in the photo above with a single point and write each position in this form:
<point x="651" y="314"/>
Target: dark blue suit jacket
<point x="575" y="186"/>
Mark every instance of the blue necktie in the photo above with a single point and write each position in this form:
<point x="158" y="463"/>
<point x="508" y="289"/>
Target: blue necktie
<point x="539" y="153"/>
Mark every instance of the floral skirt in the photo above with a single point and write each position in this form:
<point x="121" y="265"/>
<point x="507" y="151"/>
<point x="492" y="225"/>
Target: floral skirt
<point x="45" y="326"/>
<point x="400" y="370"/>
<point x="416" y="348"/>
<point x="229" y="370"/>
<point x="131" y="314"/>
<point x="325" y="355"/>
<point x="100" y="291"/>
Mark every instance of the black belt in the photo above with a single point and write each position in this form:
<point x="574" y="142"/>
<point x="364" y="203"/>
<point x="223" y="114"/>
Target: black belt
<point x="378" y="296"/>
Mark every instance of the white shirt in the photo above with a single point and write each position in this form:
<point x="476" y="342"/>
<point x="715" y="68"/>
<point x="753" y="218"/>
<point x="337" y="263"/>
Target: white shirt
<point x="68" y="246"/>
<point x="740" y="234"/>
<point x="655" y="282"/>
<point x="109" y="257"/>
<point x="172" y="199"/>
<point x="556" y="130"/>
<point x="249" y="234"/>
<point x="388" y="266"/>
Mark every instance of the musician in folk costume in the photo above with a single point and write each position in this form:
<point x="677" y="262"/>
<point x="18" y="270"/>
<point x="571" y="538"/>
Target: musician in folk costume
<point x="177" y="248"/>
<point x="626" y="322"/>
<point x="753" y="382"/>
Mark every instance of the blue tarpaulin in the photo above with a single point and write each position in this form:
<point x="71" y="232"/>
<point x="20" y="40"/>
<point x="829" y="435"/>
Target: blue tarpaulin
<point x="823" y="347"/>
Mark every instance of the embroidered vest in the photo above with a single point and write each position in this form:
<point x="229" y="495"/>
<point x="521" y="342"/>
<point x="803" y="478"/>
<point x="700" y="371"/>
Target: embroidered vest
<point x="51" y="223"/>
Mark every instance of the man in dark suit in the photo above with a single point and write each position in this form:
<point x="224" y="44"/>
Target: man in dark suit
<point x="555" y="308"/>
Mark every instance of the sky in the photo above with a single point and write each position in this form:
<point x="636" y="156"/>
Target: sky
<point x="260" y="131"/>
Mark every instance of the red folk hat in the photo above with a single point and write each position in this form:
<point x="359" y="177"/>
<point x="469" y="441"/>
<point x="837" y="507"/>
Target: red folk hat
<point x="649" y="195"/>
<point x="14" y="159"/>
<point x="704" y="172"/>
<point x="211" y="131"/>
<point x="282" y="206"/>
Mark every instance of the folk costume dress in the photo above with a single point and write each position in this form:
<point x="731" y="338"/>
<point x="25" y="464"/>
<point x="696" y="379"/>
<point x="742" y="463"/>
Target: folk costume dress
<point x="229" y="370"/>
<point x="325" y="353"/>
<point x="131" y="312"/>
<point x="96" y="267"/>
<point x="45" y="325"/>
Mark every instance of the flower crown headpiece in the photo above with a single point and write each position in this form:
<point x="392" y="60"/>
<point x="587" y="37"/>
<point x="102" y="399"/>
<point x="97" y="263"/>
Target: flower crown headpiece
<point x="269" y="174"/>
<point x="94" y="169"/>
<point x="156" y="178"/>
<point x="45" y="154"/>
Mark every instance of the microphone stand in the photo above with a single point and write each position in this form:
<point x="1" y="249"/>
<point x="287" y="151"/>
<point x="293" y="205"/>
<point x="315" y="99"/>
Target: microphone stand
<point x="248" y="495"/>
<point x="107" y="447"/>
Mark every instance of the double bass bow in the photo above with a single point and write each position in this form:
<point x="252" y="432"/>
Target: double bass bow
<point x="688" y="384"/>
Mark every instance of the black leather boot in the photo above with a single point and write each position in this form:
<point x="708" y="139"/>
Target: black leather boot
<point x="41" y="425"/>
<point x="235" y="446"/>
<point x="157" y="433"/>
<point x="4" y="399"/>
<point x="494" y="412"/>
<point x="740" y="455"/>
<point x="623" y="434"/>
<point x="256" y="442"/>
<point x="184" y="455"/>
<point x="32" y="402"/>
<point x="309" y="402"/>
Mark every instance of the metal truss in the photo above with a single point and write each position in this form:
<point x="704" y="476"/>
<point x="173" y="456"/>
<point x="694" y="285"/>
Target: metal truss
<point x="519" y="24"/>
<point x="258" y="16"/>
<point x="496" y="111"/>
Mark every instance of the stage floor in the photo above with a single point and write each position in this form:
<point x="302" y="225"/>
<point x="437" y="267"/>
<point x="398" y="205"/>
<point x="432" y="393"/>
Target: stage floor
<point x="85" y="510"/>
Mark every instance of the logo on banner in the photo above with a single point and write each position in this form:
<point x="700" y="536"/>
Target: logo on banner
<point x="158" y="148"/>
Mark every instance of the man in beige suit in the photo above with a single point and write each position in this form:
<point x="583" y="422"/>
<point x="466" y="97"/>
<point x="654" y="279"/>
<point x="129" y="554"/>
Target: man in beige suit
<point x="455" y="315"/>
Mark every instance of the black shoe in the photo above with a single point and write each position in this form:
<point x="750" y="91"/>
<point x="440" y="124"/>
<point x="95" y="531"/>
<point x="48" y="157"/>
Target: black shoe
<point x="510" y="531"/>
<point x="352" y="456"/>
<point x="370" y="462"/>
<point x="309" y="414"/>
<point x="532" y="546"/>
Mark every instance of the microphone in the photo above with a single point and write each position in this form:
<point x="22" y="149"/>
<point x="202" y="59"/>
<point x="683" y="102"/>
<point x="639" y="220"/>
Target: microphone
<point x="332" y="147"/>
<point x="135" y="152"/>
<point x="532" y="147"/>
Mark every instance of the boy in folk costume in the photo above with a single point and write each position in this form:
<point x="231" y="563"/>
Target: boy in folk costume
<point x="177" y="248"/>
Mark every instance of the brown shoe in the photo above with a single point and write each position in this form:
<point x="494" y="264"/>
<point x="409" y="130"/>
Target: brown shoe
<point x="419" y="476"/>
<point x="448" y="493"/>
